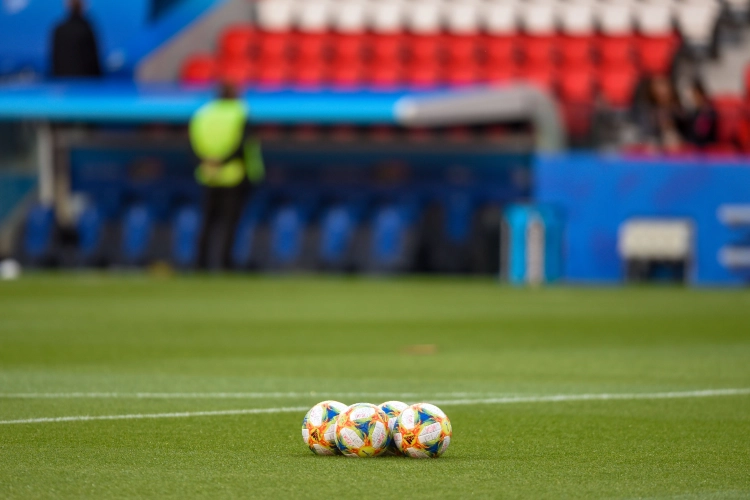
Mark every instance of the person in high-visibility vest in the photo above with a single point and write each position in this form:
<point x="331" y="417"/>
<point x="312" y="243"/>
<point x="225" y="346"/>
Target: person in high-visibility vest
<point x="230" y="165"/>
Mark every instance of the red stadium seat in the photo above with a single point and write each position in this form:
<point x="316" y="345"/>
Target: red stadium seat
<point x="463" y="72"/>
<point x="499" y="49"/>
<point x="348" y="73"/>
<point x="656" y="53"/>
<point x="543" y="76"/>
<point x="577" y="85"/>
<point x="348" y="47"/>
<point x="425" y="47"/>
<point x="617" y="84"/>
<point x="313" y="71"/>
<point x="576" y="50"/>
<point x="731" y="115"/>
<point x="747" y="83"/>
<point x="500" y="73"/>
<point x="310" y="46"/>
<point x="238" y="41"/>
<point x="462" y="47"/>
<point x="615" y="49"/>
<point x="240" y="71"/>
<point x="426" y="73"/>
<point x="388" y="46"/>
<point x="200" y="68"/>
<point x="539" y="49"/>
<point x="385" y="72"/>
<point x="274" y="46"/>
<point x="272" y="72"/>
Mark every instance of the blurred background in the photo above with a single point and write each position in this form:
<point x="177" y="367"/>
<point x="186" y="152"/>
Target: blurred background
<point x="594" y="141"/>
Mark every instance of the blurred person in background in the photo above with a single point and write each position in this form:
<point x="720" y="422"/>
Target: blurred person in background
<point x="662" y="119"/>
<point x="702" y="123"/>
<point x="230" y="165"/>
<point x="75" y="52"/>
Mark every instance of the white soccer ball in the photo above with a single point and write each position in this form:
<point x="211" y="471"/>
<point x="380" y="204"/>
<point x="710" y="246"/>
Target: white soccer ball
<point x="319" y="427"/>
<point x="423" y="431"/>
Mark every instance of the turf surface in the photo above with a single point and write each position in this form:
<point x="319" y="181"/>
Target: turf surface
<point x="295" y="341"/>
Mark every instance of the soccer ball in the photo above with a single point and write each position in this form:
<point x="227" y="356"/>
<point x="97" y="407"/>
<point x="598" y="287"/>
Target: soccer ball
<point x="362" y="431"/>
<point x="319" y="427"/>
<point x="392" y="409"/>
<point x="422" y="431"/>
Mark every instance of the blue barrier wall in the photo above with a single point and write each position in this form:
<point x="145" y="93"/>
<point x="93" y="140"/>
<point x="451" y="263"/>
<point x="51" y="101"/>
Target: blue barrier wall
<point x="598" y="193"/>
<point x="127" y="30"/>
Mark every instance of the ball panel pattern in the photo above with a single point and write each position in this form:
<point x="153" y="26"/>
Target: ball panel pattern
<point x="319" y="427"/>
<point x="423" y="431"/>
<point x="362" y="431"/>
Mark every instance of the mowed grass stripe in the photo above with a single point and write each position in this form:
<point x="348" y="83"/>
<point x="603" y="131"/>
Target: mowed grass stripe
<point x="558" y="398"/>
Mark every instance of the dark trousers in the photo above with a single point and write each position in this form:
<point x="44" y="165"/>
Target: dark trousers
<point x="222" y="208"/>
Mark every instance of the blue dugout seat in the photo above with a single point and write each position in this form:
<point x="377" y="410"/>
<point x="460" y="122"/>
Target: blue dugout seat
<point x="289" y="234"/>
<point x="137" y="229"/>
<point x="244" y="248"/>
<point x="392" y="242"/>
<point x="90" y="229"/>
<point x="185" y="233"/>
<point x="38" y="247"/>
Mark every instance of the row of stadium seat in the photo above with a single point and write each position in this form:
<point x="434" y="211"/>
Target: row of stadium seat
<point x="291" y="235"/>
<point x="574" y="66"/>
<point x="694" y="18"/>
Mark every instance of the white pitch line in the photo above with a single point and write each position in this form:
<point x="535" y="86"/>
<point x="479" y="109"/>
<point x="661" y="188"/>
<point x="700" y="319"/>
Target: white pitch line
<point x="139" y="416"/>
<point x="227" y="395"/>
<point x="454" y="402"/>
<point x="555" y="398"/>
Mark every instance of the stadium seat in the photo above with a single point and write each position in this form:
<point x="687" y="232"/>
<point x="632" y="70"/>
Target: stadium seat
<point x="499" y="50"/>
<point x="577" y="18"/>
<point x="38" y="244"/>
<point x="655" y="54"/>
<point x="424" y="48"/>
<point x="539" y="49"/>
<point x="390" y="46"/>
<point x="185" y="233"/>
<point x="576" y="85"/>
<point x="459" y="209"/>
<point x="731" y="115"/>
<point x="462" y="47"/>
<point x="617" y="83"/>
<point x="385" y="73"/>
<point x="90" y="230"/>
<point x="500" y="73"/>
<point x="137" y="229"/>
<point x="654" y="19"/>
<point x="696" y="21"/>
<point x="499" y="18"/>
<point x="540" y="75"/>
<point x="274" y="46"/>
<point x="311" y="46"/>
<point x="576" y="50"/>
<point x="337" y="232"/>
<point x="237" y="71"/>
<point x="273" y="73"/>
<point x="349" y="47"/>
<point x="615" y="18"/>
<point x="348" y="73"/>
<point x="387" y="17"/>
<point x="244" y="247"/>
<point x="388" y="246"/>
<point x="287" y="237"/>
<point x="199" y="69"/>
<point x="463" y="72"/>
<point x="275" y="15"/>
<point x="311" y="72"/>
<point x="614" y="50"/>
<point x="426" y="73"/>
<point x="238" y="41"/>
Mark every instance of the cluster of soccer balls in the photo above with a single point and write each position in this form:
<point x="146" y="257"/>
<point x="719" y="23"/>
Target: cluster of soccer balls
<point x="420" y="430"/>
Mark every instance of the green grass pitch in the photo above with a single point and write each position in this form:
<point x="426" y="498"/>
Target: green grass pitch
<point x="96" y="345"/>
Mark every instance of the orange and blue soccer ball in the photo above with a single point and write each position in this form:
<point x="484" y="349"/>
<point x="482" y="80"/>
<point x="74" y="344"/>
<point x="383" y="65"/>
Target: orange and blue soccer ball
<point x="362" y="431"/>
<point x="319" y="427"/>
<point x="422" y="431"/>
<point x="392" y="410"/>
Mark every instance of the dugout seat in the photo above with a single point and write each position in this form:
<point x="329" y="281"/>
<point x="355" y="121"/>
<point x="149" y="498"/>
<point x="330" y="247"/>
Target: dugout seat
<point x="91" y="228"/>
<point x="185" y="233"/>
<point x="137" y="232"/>
<point x="38" y="245"/>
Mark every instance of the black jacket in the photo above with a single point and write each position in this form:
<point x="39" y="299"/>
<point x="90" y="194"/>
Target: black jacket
<point x="74" y="49"/>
